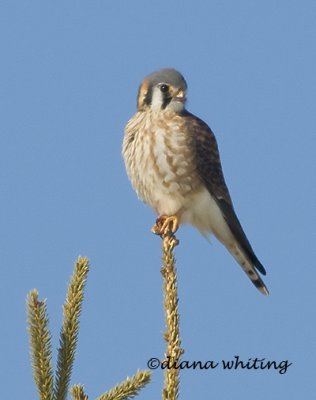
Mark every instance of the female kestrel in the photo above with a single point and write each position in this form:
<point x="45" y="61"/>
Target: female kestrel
<point x="172" y="160"/>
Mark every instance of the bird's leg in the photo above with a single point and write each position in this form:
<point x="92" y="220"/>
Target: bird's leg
<point x="165" y="224"/>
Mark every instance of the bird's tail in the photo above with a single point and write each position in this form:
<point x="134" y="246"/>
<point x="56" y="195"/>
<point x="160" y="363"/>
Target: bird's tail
<point x="249" y="268"/>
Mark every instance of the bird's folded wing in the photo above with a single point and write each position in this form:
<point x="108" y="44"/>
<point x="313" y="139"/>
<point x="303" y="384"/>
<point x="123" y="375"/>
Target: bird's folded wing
<point x="210" y="171"/>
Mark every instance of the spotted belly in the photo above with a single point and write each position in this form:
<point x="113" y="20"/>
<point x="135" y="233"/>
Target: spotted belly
<point x="161" y="168"/>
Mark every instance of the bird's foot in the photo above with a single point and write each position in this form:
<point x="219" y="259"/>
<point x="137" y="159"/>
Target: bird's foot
<point x="165" y="225"/>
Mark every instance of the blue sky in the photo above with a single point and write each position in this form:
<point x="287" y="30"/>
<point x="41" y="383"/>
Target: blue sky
<point x="69" y="77"/>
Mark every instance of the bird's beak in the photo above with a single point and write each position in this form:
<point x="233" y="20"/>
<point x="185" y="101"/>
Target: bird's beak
<point x="179" y="96"/>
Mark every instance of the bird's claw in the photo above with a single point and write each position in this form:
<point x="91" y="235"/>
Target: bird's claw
<point x="165" y="225"/>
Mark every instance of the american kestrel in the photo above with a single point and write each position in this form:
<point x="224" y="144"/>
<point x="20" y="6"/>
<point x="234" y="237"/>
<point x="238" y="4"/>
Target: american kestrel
<point x="172" y="159"/>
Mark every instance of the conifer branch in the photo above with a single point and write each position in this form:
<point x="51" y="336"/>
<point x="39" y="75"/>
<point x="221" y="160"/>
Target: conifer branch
<point x="70" y="328"/>
<point x="40" y="345"/>
<point x="172" y="334"/>
<point x="128" y="388"/>
<point x="166" y="227"/>
<point x="77" y="393"/>
<point x="41" y="352"/>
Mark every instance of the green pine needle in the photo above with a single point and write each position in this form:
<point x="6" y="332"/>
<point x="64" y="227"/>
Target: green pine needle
<point x="40" y="345"/>
<point x="77" y="393"/>
<point x="70" y="328"/>
<point x="172" y="317"/>
<point x="128" y="388"/>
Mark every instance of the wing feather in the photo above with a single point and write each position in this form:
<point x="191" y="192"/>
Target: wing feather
<point x="210" y="172"/>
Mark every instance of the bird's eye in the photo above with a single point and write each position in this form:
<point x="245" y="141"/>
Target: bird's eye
<point x="164" y="88"/>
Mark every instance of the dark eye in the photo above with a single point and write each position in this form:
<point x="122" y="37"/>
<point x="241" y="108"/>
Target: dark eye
<point x="164" y="88"/>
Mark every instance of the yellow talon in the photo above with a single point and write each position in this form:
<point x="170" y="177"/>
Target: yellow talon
<point x="165" y="225"/>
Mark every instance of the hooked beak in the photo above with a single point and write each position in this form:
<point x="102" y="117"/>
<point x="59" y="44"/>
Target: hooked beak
<point x="179" y="96"/>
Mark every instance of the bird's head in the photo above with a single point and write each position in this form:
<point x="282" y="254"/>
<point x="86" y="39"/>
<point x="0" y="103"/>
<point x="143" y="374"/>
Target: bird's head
<point x="162" y="90"/>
